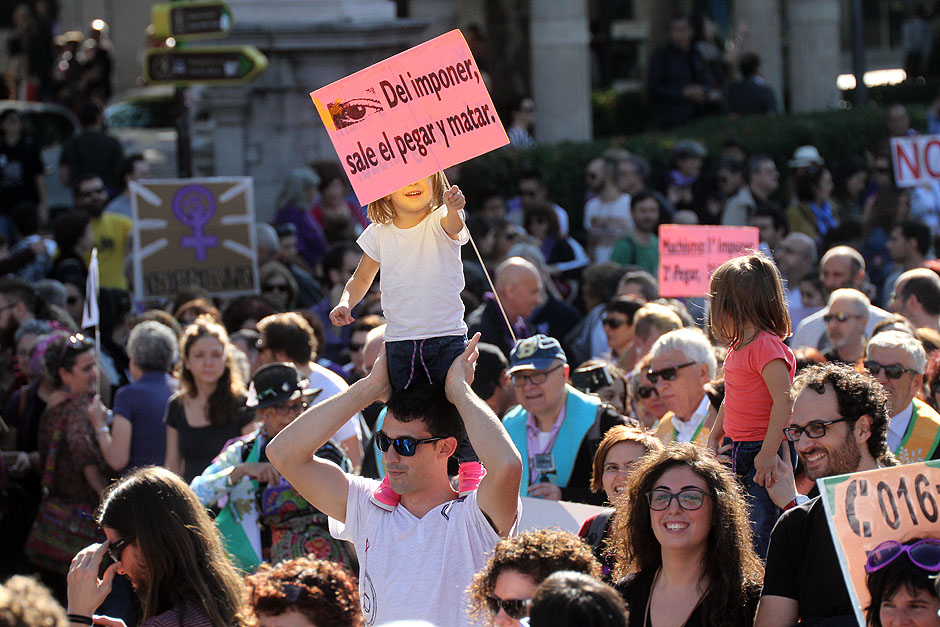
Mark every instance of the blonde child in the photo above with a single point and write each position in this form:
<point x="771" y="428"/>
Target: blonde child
<point x="748" y="313"/>
<point x="415" y="236"/>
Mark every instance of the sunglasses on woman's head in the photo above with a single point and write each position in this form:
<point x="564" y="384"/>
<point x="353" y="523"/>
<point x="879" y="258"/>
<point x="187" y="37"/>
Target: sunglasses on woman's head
<point x="924" y="554"/>
<point x="894" y="371"/>
<point x="514" y="608"/>
<point x="406" y="447"/>
<point x="668" y="374"/>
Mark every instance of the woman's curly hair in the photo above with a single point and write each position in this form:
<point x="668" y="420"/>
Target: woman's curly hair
<point x="538" y="554"/>
<point x="731" y="567"/>
<point x="323" y="591"/>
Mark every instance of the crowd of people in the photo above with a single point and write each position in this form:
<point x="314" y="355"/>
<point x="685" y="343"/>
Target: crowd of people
<point x="350" y="445"/>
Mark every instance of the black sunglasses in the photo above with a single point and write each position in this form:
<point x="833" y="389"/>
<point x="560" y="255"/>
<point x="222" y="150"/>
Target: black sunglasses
<point x="514" y="608"/>
<point x="645" y="391"/>
<point x="613" y="323"/>
<point x="115" y="548"/>
<point x="275" y="288"/>
<point x="813" y="430"/>
<point x="668" y="374"/>
<point x="406" y="447"/>
<point x="839" y="317"/>
<point x="894" y="371"/>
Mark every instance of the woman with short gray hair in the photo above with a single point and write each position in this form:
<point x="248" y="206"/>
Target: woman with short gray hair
<point x="134" y="435"/>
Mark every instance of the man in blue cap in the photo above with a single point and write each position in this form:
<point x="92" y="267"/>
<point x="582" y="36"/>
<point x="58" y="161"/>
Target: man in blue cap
<point x="555" y="427"/>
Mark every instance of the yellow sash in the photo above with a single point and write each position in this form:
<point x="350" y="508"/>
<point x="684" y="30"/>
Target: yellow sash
<point x="667" y="432"/>
<point x="922" y="436"/>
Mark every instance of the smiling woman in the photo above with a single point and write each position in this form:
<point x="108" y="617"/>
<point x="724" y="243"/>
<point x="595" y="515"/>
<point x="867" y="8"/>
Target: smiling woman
<point x="683" y="543"/>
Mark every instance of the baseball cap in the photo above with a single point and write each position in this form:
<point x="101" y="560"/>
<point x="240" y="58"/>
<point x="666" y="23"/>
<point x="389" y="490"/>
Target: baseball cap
<point x="278" y="383"/>
<point x="538" y="352"/>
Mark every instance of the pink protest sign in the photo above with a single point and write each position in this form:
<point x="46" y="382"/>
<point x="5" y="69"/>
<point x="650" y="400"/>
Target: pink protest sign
<point x="689" y="254"/>
<point x="415" y="113"/>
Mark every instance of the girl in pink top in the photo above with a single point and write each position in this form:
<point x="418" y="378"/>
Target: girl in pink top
<point x="748" y="313"/>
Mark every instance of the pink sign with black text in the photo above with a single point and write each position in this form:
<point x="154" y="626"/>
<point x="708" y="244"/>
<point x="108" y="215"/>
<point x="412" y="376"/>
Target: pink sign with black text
<point x="414" y="114"/>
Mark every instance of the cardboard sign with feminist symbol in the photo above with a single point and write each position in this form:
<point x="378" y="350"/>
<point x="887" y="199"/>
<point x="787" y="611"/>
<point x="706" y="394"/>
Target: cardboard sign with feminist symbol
<point x="412" y="115"/>
<point x="194" y="232"/>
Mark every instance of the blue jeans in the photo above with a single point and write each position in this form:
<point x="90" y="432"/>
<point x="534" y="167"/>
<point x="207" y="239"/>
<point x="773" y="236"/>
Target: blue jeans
<point x="763" y="513"/>
<point x="427" y="361"/>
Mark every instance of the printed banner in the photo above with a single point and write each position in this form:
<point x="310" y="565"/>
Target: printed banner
<point x="548" y="514"/>
<point x="689" y="254"/>
<point x="194" y="232"/>
<point x="407" y="117"/>
<point x="866" y="508"/>
<point x="916" y="159"/>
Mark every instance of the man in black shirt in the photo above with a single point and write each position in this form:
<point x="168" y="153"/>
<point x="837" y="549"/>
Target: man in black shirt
<point x="839" y="425"/>
<point x="678" y="78"/>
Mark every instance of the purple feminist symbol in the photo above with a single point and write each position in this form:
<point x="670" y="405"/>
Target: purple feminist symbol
<point x="194" y="205"/>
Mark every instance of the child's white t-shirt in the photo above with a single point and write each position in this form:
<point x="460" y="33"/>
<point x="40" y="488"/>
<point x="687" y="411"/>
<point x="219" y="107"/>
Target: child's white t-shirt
<point x="416" y="568"/>
<point x="421" y="277"/>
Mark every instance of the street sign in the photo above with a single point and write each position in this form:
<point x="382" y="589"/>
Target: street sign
<point x="191" y="20"/>
<point x="217" y="65"/>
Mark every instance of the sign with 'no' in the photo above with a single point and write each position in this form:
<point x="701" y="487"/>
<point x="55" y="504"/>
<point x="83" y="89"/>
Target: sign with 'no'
<point x="412" y="115"/>
<point x="194" y="232"/>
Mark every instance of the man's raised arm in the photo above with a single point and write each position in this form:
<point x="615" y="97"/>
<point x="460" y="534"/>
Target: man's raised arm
<point x="322" y="483"/>
<point x="498" y="494"/>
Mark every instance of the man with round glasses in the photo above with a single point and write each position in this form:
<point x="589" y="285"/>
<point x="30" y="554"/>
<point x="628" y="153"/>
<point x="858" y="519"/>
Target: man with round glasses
<point x="555" y="427"/>
<point x="898" y="361"/>
<point x="838" y="426"/>
<point x="417" y="560"/>
<point x="683" y="361"/>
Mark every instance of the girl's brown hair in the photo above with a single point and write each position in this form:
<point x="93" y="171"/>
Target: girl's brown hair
<point x="230" y="389"/>
<point x="747" y="289"/>
<point x="381" y="211"/>
<point x="731" y="568"/>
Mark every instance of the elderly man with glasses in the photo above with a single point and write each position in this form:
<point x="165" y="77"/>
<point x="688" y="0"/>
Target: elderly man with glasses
<point x="260" y="516"/>
<point x="838" y="426"/>
<point x="898" y="361"/>
<point x="555" y="427"/>
<point x="683" y="361"/>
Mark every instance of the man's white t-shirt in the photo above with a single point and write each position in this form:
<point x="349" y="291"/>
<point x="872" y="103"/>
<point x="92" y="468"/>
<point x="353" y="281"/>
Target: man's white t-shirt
<point x="421" y="277"/>
<point x="416" y="568"/>
<point x="618" y="211"/>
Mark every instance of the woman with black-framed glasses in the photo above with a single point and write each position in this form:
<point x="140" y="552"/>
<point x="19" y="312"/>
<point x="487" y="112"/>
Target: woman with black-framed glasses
<point x="902" y="583"/>
<point x="683" y="543"/>
<point x="501" y="594"/>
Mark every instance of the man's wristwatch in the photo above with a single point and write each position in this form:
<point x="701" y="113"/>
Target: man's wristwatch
<point x="799" y="499"/>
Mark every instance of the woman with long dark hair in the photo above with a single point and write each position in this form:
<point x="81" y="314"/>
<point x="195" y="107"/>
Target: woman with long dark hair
<point x="161" y="537"/>
<point x="205" y="413"/>
<point x="683" y="543"/>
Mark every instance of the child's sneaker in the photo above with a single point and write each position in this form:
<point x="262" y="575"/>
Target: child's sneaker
<point x="385" y="497"/>
<point x="469" y="476"/>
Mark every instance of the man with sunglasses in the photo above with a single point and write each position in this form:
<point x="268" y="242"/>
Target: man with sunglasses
<point x="846" y="317"/>
<point x="683" y="361"/>
<point x="555" y="427"/>
<point x="261" y="518"/>
<point x="415" y="561"/>
<point x="841" y="266"/>
<point x="838" y="426"/>
<point x="110" y="231"/>
<point x="898" y="361"/>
